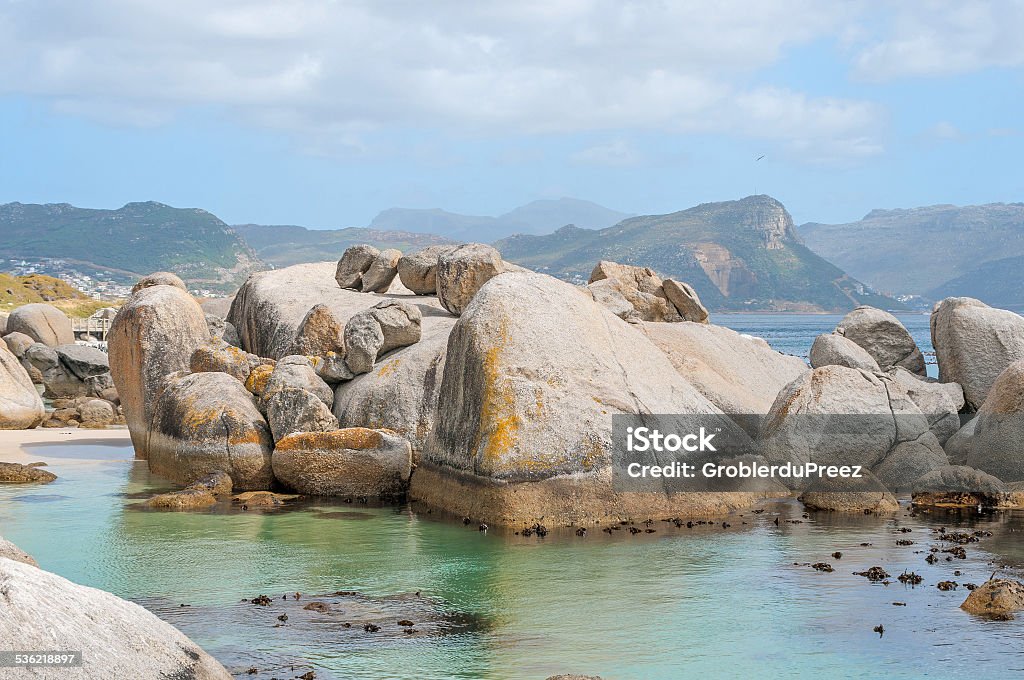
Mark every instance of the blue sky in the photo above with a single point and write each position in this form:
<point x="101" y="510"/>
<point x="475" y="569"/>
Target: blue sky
<point x="323" y="113"/>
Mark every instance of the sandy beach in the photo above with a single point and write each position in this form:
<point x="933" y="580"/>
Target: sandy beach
<point x="13" y="442"/>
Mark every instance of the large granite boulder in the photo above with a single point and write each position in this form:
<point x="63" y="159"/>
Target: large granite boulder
<point x="319" y="333"/>
<point x="218" y="356"/>
<point x="883" y="337"/>
<point x="291" y="409"/>
<point x="959" y="447"/>
<point x="154" y="335"/>
<point x="974" y="343"/>
<point x="20" y="405"/>
<point x="3" y="323"/>
<point x="43" y="323"/>
<point x="297" y="371"/>
<point x="204" y="422"/>
<point x="350" y="462"/>
<point x="374" y="332"/>
<point x="462" y="271"/>
<point x="861" y="494"/>
<point x="959" y="486"/>
<point x="998" y="443"/>
<point x="83" y="361"/>
<point x="739" y="374"/>
<point x="835" y="415"/>
<point x="686" y="301"/>
<point x="382" y="271"/>
<point x="270" y="307"/>
<point x="18" y="343"/>
<point x="832" y="349"/>
<point x="418" y="271"/>
<point x="639" y="286"/>
<point x="159" y="279"/>
<point x="354" y="262"/>
<point x="116" y="638"/>
<point x="939" y="402"/>
<point x="998" y="599"/>
<point x="400" y="392"/>
<point x="523" y="424"/>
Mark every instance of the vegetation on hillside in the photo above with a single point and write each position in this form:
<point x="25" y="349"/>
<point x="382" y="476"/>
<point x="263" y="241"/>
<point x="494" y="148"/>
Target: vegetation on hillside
<point x="739" y="255"/>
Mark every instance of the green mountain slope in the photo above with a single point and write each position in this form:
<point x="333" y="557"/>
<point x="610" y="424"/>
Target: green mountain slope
<point x="916" y="251"/>
<point x="739" y="255"/>
<point x="282" y="246"/>
<point x="137" y="239"/>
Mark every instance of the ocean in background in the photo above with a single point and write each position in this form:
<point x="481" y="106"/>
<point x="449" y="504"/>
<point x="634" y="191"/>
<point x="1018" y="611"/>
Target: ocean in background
<point x="795" y="333"/>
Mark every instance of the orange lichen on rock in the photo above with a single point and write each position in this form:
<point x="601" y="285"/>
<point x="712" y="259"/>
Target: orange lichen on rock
<point x="353" y="438"/>
<point x="257" y="380"/>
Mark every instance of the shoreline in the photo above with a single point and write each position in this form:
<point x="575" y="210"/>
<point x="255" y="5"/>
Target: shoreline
<point x="13" y="443"/>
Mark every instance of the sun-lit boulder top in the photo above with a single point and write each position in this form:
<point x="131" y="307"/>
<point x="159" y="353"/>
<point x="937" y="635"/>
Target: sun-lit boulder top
<point x="271" y="305"/>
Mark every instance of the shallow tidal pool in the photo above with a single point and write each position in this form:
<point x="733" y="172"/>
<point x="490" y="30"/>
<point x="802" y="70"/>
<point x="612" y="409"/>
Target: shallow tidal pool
<point x="708" y="601"/>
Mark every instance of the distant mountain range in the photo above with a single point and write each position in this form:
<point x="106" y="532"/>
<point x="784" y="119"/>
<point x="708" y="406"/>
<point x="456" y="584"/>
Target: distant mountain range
<point x="538" y="217"/>
<point x="282" y="246"/>
<point x="137" y="239"/>
<point x="934" y="251"/>
<point x="738" y="255"/>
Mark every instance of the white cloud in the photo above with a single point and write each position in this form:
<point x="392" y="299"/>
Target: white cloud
<point x="615" y="153"/>
<point x="331" y="71"/>
<point x="944" y="37"/>
<point x="944" y="131"/>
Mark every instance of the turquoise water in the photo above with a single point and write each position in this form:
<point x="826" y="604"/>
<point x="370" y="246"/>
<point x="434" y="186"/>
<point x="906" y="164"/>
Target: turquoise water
<point x="707" y="601"/>
<point x="794" y="333"/>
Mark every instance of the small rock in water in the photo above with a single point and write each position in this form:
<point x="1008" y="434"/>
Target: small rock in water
<point x="262" y="600"/>
<point x="370" y="628"/>
<point x="822" y="566"/>
<point x="880" y="629"/>
<point x="873" y="574"/>
<point x="946" y="585"/>
<point x="406" y="623"/>
<point x="910" y="577"/>
<point x="837" y="555"/>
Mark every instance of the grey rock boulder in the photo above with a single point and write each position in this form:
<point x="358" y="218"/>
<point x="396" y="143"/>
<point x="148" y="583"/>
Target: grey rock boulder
<point x="999" y="431"/>
<point x="83" y="361"/>
<point x="320" y="332"/>
<point x="686" y="301"/>
<point x="856" y="495"/>
<point x="418" y="271"/>
<point x="297" y="371"/>
<point x="204" y="422"/>
<point x="291" y="410"/>
<point x="974" y="343"/>
<point x="640" y="286"/>
<point x="739" y="374"/>
<point x="883" y="337"/>
<point x="382" y="271"/>
<point x="43" y="323"/>
<point x="42" y="611"/>
<point x="17" y="343"/>
<point x="959" y="447"/>
<point x="159" y="279"/>
<point x="350" y="462"/>
<point x="154" y="335"/>
<point x="20" y="404"/>
<point x="959" y="485"/>
<point x="13" y="552"/>
<point x="939" y="402"/>
<point x="832" y="349"/>
<point x="386" y="326"/>
<point x="354" y="262"/>
<point x="461" y="273"/>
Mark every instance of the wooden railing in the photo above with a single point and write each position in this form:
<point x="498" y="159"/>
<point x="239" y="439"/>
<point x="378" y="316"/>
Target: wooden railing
<point x="98" y="328"/>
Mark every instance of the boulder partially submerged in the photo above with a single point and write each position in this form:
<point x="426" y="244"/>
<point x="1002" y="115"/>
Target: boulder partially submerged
<point x="835" y="415"/>
<point x="117" y="638"/>
<point x="154" y="335"/>
<point x="351" y="462"/>
<point x="523" y="427"/>
<point x="998" y="598"/>
<point x="999" y="428"/>
<point x="959" y="486"/>
<point x="204" y="422"/>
